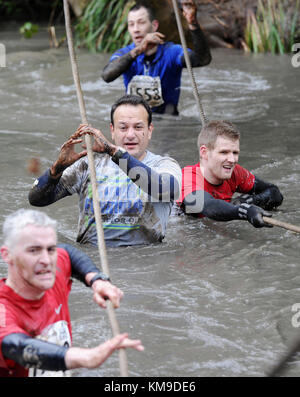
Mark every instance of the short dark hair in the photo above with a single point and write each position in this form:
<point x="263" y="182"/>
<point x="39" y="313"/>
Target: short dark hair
<point x="210" y="132"/>
<point x="140" y="4"/>
<point x="133" y="100"/>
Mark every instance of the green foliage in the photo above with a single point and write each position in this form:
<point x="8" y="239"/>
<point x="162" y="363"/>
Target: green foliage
<point x="28" y="29"/>
<point x="271" y="29"/>
<point x="103" y="26"/>
<point x="8" y="7"/>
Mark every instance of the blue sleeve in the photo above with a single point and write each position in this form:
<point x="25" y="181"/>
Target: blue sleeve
<point x="46" y="190"/>
<point x="81" y="264"/>
<point x="161" y="187"/>
<point x="120" y="52"/>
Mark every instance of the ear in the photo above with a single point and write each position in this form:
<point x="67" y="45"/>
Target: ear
<point x="155" y="25"/>
<point x="112" y="130"/>
<point x="203" y="152"/>
<point x="150" y="130"/>
<point x="5" y="253"/>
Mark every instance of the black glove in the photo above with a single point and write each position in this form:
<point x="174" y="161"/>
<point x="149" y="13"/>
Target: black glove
<point x="253" y="214"/>
<point x="243" y="198"/>
<point x="269" y="199"/>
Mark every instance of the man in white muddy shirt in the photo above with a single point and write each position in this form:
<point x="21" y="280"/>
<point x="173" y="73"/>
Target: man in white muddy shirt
<point x="136" y="187"/>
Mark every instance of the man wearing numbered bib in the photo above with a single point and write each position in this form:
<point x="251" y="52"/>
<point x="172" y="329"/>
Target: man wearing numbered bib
<point x="152" y="68"/>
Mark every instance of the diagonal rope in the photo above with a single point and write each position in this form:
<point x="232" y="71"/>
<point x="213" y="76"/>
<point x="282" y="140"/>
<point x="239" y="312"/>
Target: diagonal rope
<point x="97" y="210"/>
<point x="204" y="119"/>
<point x="280" y="367"/>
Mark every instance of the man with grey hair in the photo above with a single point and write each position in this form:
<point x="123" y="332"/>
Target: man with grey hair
<point x="35" y="324"/>
<point x="208" y="186"/>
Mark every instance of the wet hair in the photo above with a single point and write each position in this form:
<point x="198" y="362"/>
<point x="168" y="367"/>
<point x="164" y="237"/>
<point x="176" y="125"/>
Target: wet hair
<point x="215" y="128"/>
<point x="17" y="221"/>
<point x="140" y="4"/>
<point x="132" y="100"/>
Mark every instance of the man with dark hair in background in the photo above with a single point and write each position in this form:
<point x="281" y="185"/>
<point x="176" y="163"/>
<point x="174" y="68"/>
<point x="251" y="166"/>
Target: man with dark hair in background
<point x="151" y="67"/>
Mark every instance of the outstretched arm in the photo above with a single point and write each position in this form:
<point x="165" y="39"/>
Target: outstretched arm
<point x="47" y="189"/>
<point x="94" y="357"/>
<point x="201" y="55"/>
<point x="201" y="202"/>
<point x="35" y="353"/>
<point x="263" y="194"/>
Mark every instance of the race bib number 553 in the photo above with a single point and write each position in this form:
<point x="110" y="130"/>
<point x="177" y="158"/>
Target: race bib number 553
<point x="147" y="87"/>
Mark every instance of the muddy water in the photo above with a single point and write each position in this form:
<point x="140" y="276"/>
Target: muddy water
<point x="214" y="299"/>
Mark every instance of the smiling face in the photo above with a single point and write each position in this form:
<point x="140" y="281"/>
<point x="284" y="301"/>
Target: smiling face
<point x="131" y="130"/>
<point x="32" y="261"/>
<point x="218" y="163"/>
<point x="139" y="25"/>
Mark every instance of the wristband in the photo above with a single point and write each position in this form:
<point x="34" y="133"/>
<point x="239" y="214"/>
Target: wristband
<point x="99" y="276"/>
<point x="243" y="210"/>
<point x="119" y="154"/>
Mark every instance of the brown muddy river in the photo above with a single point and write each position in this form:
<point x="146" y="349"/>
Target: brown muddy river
<point x="214" y="299"/>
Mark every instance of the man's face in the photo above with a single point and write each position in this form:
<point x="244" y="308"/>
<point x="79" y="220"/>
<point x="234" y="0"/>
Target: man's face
<point x="139" y="25"/>
<point x="220" y="161"/>
<point x="33" y="261"/>
<point x="131" y="130"/>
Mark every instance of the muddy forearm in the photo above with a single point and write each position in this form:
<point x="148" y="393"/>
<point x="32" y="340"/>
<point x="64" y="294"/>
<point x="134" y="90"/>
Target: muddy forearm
<point x="201" y="55"/>
<point x="46" y="190"/>
<point x="201" y="202"/>
<point x="115" y="68"/>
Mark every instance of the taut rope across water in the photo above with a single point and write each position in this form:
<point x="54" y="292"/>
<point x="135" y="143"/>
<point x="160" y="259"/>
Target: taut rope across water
<point x="204" y="119"/>
<point x="97" y="210"/>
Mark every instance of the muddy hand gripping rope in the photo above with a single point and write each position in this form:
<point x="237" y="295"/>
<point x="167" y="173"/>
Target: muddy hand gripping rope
<point x="100" y="233"/>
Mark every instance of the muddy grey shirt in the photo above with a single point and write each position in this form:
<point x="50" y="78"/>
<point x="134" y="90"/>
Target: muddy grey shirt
<point x="130" y="215"/>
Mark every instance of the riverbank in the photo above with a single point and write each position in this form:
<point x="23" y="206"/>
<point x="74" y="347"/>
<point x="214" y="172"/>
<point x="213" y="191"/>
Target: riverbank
<point x="224" y="21"/>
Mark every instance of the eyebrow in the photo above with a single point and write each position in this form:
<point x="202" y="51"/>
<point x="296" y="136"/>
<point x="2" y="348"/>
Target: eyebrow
<point x="125" y="122"/>
<point x="41" y="246"/>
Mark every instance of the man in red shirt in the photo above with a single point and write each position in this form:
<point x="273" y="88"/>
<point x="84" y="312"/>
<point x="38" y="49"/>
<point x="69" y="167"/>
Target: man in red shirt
<point x="208" y="187"/>
<point x="35" y="324"/>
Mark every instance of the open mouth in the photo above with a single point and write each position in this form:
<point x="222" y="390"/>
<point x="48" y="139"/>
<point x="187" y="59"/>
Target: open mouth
<point x="43" y="273"/>
<point x="228" y="168"/>
<point x="138" y="39"/>
<point x="130" y="145"/>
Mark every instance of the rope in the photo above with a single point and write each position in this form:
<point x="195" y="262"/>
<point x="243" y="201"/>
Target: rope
<point x="282" y="364"/>
<point x="97" y="210"/>
<point x="284" y="225"/>
<point x="204" y="120"/>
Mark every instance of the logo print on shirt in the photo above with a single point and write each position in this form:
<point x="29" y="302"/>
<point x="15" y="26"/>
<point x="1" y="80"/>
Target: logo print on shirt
<point x="57" y="311"/>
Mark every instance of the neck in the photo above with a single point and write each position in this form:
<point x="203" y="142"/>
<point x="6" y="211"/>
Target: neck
<point x="25" y="291"/>
<point x="151" y="51"/>
<point x="140" y="158"/>
<point x="208" y="176"/>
